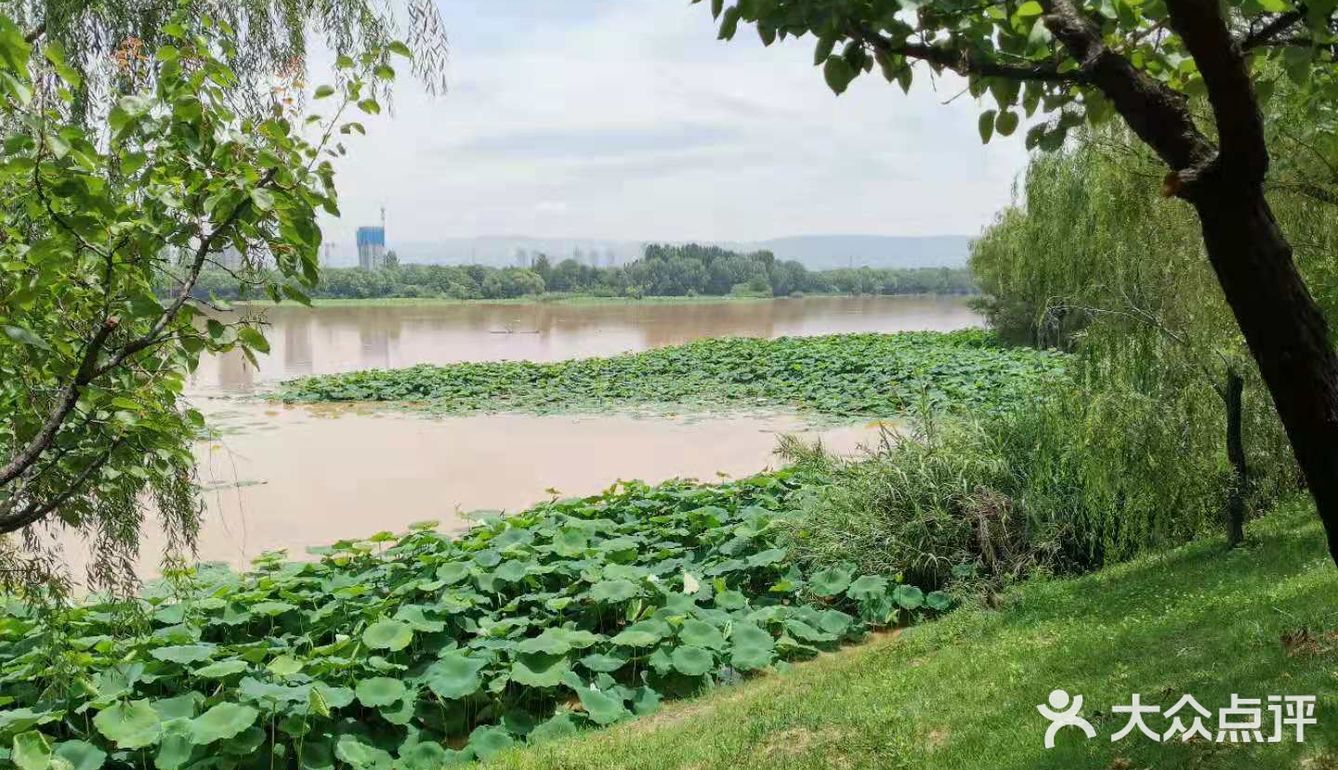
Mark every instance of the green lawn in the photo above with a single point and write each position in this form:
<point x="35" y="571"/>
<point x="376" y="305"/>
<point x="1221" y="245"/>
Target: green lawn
<point x="961" y="693"/>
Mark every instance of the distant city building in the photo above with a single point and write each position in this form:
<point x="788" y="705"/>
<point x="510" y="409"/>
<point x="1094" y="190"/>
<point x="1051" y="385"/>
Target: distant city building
<point x="609" y="258"/>
<point x="371" y="247"/>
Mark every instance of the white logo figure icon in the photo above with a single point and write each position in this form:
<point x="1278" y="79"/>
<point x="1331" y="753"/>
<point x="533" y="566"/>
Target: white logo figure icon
<point x="1063" y="712"/>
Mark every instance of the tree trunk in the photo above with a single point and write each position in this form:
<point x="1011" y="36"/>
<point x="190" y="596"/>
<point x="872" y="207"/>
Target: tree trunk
<point x="1235" y="446"/>
<point x="1284" y="328"/>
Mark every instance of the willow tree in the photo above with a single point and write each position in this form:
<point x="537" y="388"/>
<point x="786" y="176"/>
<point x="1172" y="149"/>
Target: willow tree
<point x="139" y="141"/>
<point x="1140" y="60"/>
<point x="272" y="37"/>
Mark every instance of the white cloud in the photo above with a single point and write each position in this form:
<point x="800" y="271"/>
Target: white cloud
<point x="628" y="120"/>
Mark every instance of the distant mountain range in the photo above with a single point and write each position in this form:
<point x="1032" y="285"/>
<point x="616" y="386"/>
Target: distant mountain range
<point x="817" y="252"/>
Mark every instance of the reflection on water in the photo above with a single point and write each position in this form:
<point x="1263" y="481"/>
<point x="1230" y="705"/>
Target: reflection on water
<point x="290" y="477"/>
<point x="345" y="338"/>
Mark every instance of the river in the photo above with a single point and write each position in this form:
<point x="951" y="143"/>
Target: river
<point x="287" y="477"/>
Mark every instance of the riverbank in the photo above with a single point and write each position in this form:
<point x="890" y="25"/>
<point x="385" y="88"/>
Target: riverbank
<point x="962" y="692"/>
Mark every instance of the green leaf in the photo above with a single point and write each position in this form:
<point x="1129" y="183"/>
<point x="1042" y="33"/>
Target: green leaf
<point x="867" y="587"/>
<point x="488" y="741"/>
<point x="221" y="669"/>
<point x="130" y="725"/>
<point x="176" y="746"/>
<point x="831" y="581"/>
<point x="453" y="572"/>
<point x="223" y="721"/>
<point x="388" y="635"/>
<point x="424" y="755"/>
<point x="552" y="641"/>
<point x="539" y="670"/>
<point x="334" y="697"/>
<point x="31" y="751"/>
<point x="25" y="337"/>
<point x="284" y="666"/>
<point x="252" y="338"/>
<point x="81" y="755"/>
<point x="824" y="49"/>
<point x="986" y="125"/>
<point x="908" y="597"/>
<point x="699" y="633"/>
<point x="455" y="675"/>
<point x="692" y="661"/>
<point x="379" y="691"/>
<point x="324" y="91"/>
<point x="1006" y="123"/>
<point x="729" y="23"/>
<point x="601" y="663"/>
<point x="642" y="634"/>
<point x="360" y="755"/>
<point x="937" y="600"/>
<point x="613" y="591"/>
<point x="184" y="653"/>
<point x="838" y="73"/>
<point x="262" y="198"/>
<point x="20" y="719"/>
<point x="178" y="707"/>
<point x="560" y="725"/>
<point x="603" y="709"/>
<point x="752" y="648"/>
<point x="767" y="557"/>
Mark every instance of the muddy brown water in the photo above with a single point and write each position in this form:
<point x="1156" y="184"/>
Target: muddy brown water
<point x="341" y="338"/>
<point x="289" y="477"/>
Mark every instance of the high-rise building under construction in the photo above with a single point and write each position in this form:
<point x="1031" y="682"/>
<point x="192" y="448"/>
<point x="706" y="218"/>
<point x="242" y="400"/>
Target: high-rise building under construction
<point x="371" y="247"/>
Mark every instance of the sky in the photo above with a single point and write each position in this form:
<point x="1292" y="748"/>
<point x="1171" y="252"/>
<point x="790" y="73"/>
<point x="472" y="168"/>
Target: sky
<point x="628" y="120"/>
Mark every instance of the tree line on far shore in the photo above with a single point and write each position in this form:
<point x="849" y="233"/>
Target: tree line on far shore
<point x="664" y="271"/>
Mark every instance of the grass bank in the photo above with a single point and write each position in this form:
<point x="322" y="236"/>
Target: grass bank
<point x="961" y="693"/>
<point x="878" y="375"/>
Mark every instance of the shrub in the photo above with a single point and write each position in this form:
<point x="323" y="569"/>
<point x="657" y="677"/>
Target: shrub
<point x="1097" y="471"/>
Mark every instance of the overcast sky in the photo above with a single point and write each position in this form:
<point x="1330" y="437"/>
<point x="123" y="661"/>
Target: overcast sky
<point x="628" y="120"/>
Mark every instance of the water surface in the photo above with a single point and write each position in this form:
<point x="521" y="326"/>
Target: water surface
<point x="288" y="477"/>
<point x="282" y="477"/>
<point x="340" y="338"/>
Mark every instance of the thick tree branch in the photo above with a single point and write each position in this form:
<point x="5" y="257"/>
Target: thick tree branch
<point x="69" y="396"/>
<point x="1267" y="33"/>
<point x="12" y="521"/>
<point x="202" y="253"/>
<point x="1156" y="113"/>
<point x="89" y="369"/>
<point x="1240" y="126"/>
<point x="1308" y="189"/>
<point x="964" y="61"/>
